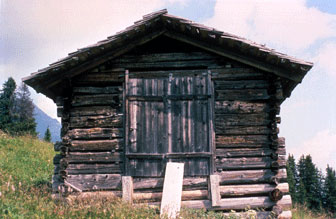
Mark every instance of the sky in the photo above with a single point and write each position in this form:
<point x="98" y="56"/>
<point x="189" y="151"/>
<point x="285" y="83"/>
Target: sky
<point x="35" y="33"/>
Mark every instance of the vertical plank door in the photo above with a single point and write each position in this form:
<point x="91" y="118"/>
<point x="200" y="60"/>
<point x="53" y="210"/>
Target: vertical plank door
<point x="168" y="119"/>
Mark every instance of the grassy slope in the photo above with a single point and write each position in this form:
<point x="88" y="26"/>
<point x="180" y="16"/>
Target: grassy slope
<point x="25" y="175"/>
<point x="25" y="190"/>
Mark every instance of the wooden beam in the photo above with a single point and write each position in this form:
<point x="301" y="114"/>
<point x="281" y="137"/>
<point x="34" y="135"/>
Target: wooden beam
<point x="101" y="59"/>
<point x="237" y="57"/>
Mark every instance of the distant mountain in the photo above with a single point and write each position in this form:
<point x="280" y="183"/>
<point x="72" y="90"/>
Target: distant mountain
<point x="43" y="121"/>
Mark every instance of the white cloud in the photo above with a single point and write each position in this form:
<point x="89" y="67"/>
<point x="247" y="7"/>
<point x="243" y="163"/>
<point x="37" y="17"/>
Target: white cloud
<point x="322" y="147"/>
<point x="37" y="33"/>
<point x="46" y="105"/>
<point x="181" y="2"/>
<point x="285" y="24"/>
<point x="325" y="58"/>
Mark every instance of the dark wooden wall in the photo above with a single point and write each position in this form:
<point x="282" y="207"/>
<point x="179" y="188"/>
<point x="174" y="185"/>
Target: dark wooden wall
<point x="249" y="157"/>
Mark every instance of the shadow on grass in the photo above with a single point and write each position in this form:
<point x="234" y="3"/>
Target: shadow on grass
<point x="45" y="184"/>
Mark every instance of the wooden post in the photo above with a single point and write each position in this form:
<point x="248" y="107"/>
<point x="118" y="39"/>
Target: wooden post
<point x="211" y="131"/>
<point x="214" y="190"/>
<point x="169" y="113"/>
<point x="126" y="122"/>
<point x="172" y="190"/>
<point x="127" y="188"/>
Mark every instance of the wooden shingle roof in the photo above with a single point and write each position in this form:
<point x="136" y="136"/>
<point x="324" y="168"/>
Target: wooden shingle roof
<point x="161" y="23"/>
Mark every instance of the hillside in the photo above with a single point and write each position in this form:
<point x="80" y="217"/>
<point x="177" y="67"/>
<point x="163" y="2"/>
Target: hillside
<point x="43" y="121"/>
<point x="25" y="188"/>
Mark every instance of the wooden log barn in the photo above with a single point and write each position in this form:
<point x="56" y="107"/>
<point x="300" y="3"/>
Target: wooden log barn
<point x="169" y="89"/>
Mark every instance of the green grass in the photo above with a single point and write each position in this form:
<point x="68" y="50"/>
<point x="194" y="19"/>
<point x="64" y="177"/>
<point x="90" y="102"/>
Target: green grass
<point x="25" y="188"/>
<point x="300" y="212"/>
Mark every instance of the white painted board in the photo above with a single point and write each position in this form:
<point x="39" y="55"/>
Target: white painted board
<point x="172" y="190"/>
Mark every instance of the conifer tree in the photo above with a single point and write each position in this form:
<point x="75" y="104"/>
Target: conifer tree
<point x="313" y="184"/>
<point x="47" y="135"/>
<point x="330" y="190"/>
<point x="23" y="110"/>
<point x="7" y="98"/>
<point x="310" y="184"/>
<point x="301" y="190"/>
<point x="292" y="178"/>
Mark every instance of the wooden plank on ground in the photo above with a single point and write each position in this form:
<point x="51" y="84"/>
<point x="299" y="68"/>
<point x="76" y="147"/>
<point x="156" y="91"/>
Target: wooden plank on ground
<point x="127" y="188"/>
<point x="214" y="189"/>
<point x="172" y="190"/>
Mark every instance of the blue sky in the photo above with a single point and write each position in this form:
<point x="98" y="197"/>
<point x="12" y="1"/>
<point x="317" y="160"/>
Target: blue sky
<point x="35" y="33"/>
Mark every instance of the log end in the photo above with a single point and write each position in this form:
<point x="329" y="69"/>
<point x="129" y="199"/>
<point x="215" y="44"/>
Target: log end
<point x="276" y="194"/>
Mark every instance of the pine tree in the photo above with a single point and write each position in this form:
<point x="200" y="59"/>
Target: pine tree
<point x="47" y="135"/>
<point x="23" y="110"/>
<point x="292" y="178"/>
<point x="313" y="184"/>
<point x="301" y="190"/>
<point x="330" y="190"/>
<point x="7" y="98"/>
<point x="310" y="184"/>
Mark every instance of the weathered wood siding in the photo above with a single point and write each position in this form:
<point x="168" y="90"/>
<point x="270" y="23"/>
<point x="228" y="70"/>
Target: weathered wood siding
<point x="248" y="155"/>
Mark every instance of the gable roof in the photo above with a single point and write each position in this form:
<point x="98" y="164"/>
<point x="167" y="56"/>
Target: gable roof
<point x="161" y="23"/>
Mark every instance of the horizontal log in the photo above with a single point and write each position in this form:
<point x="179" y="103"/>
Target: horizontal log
<point x="241" y="203"/>
<point x="236" y="74"/>
<point x="243" y="94"/>
<point x="251" y="176"/>
<point x="157" y="183"/>
<point x="169" y="155"/>
<point x="243" y="163"/>
<point x="249" y="163"/>
<point x="93" y="157"/>
<point x="225" y="191"/>
<point x="164" y="57"/>
<point x="75" y="169"/>
<point x="258" y="119"/>
<point x="170" y="64"/>
<point x="97" y="90"/>
<point x="242" y="130"/>
<point x="93" y="182"/>
<point x="247" y="152"/>
<point x="84" y="196"/>
<point x="96" y="121"/>
<point x="231" y="107"/>
<point x="95" y="133"/>
<point x="156" y="196"/>
<point x="93" y="111"/>
<point x="99" y="78"/>
<point x="162" y="73"/>
<point x="241" y="84"/>
<point x="251" y="189"/>
<point x="242" y="141"/>
<point x="98" y="99"/>
<point x="262" y="202"/>
<point x="96" y="145"/>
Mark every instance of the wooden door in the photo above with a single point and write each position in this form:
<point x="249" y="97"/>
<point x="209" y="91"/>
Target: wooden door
<point x="168" y="119"/>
